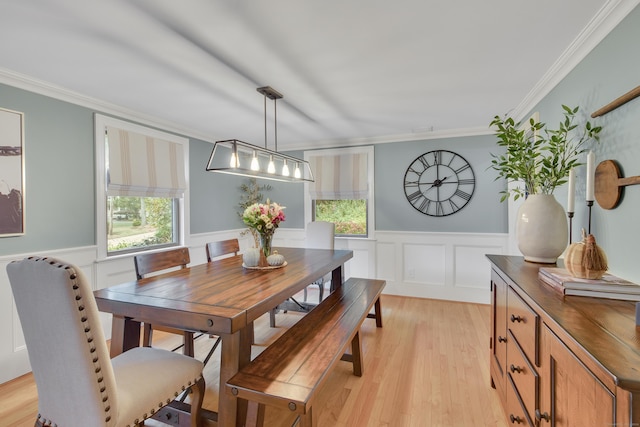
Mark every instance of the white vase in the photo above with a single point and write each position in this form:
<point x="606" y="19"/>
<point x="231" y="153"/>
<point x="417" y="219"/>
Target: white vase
<point x="541" y="229"/>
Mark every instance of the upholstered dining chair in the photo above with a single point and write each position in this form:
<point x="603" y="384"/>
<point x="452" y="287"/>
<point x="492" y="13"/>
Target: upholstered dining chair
<point x="78" y="384"/>
<point x="155" y="262"/>
<point x="319" y="235"/>
<point x="221" y="248"/>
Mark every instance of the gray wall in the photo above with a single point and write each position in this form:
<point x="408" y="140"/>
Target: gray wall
<point x="59" y="194"/>
<point x="483" y="214"/>
<point x="609" y="71"/>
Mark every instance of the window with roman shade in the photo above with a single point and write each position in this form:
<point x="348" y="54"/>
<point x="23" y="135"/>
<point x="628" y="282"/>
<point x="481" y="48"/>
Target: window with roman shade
<point x="143" y="166"/>
<point x="343" y="191"/>
<point x="142" y="191"/>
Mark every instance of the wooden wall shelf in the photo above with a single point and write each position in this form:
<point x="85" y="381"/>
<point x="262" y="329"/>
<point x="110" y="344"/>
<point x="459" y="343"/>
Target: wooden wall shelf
<point x="634" y="93"/>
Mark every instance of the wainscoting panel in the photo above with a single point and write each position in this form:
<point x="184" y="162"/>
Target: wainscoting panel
<point x="387" y="257"/>
<point x="450" y="266"/>
<point x="424" y="264"/>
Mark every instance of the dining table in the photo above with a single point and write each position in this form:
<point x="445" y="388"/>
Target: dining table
<point x="221" y="297"/>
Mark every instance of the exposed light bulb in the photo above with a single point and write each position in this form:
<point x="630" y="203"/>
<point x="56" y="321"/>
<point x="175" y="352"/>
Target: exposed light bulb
<point x="272" y="167"/>
<point x="285" y="168"/>
<point x="233" y="162"/>
<point x="255" y="165"/>
<point x="296" y="171"/>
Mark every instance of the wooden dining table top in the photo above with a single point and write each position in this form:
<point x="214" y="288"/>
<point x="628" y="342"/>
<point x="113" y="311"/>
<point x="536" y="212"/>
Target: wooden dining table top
<point x="220" y="296"/>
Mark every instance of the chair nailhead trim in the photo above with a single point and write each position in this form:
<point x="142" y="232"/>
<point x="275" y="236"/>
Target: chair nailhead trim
<point x="160" y="404"/>
<point x="73" y="276"/>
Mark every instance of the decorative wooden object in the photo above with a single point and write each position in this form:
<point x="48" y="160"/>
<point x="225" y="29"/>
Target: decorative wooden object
<point x="609" y="183"/>
<point x="634" y="93"/>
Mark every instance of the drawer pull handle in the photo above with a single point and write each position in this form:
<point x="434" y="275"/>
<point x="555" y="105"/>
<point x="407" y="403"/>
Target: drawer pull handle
<point x="502" y="339"/>
<point x="542" y="416"/>
<point x="515" y="369"/>
<point x="515" y="318"/>
<point x="516" y="420"/>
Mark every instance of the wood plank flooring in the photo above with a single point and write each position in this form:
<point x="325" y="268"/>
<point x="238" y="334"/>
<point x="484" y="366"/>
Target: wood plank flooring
<point x="428" y="366"/>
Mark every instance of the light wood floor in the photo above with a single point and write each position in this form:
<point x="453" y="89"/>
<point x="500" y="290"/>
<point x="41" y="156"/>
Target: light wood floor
<point x="428" y="366"/>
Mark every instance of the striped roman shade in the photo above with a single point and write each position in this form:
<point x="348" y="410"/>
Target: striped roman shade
<point x="339" y="177"/>
<point x="143" y="166"/>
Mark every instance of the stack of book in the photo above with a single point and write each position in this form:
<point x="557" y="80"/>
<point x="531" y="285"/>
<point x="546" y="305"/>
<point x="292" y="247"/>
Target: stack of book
<point x="609" y="286"/>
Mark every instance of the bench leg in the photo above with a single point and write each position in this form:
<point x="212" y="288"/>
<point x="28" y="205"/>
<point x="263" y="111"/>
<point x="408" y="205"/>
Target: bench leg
<point x="255" y="415"/>
<point x="377" y="315"/>
<point x="378" y="310"/>
<point x="356" y="354"/>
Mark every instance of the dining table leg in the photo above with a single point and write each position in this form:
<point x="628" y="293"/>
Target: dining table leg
<point x="336" y="278"/>
<point x="236" y="353"/>
<point x="125" y="335"/>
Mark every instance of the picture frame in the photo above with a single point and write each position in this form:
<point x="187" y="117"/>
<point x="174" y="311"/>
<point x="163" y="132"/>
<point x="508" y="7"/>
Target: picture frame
<point x="12" y="219"/>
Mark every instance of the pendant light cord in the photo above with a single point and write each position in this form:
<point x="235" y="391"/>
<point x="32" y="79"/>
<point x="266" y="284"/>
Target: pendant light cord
<point x="265" y="120"/>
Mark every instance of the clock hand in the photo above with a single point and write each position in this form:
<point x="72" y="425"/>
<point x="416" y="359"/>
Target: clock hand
<point x="437" y="183"/>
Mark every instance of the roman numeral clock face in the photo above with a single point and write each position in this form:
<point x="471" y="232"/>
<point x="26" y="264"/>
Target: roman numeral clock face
<point x="439" y="183"/>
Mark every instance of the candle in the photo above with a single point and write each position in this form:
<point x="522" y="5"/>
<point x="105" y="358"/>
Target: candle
<point x="572" y="191"/>
<point x="591" y="160"/>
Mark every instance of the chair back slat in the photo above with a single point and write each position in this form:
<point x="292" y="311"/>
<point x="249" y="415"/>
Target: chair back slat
<point x="158" y="261"/>
<point x="223" y="247"/>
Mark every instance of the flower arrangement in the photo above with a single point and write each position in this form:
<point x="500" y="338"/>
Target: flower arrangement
<point x="265" y="219"/>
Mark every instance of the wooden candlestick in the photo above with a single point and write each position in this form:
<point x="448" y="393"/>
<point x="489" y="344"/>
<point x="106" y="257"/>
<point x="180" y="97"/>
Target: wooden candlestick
<point x="609" y="183"/>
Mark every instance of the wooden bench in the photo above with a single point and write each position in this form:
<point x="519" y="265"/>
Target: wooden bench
<point x="289" y="372"/>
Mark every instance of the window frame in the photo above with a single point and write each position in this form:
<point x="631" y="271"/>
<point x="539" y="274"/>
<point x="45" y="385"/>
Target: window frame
<point x="309" y="202"/>
<point x="182" y="216"/>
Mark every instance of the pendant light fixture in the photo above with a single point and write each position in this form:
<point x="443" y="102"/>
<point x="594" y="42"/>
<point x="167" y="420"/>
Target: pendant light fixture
<point x="236" y="157"/>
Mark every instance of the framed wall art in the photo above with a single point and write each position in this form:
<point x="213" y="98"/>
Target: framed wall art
<point x="11" y="173"/>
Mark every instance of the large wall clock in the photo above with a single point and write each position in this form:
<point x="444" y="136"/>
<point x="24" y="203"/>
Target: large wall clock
<point x="439" y="183"/>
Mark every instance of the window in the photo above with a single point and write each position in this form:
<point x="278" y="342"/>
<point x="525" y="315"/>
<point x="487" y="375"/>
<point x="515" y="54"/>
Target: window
<point x="141" y="188"/>
<point x="342" y="192"/>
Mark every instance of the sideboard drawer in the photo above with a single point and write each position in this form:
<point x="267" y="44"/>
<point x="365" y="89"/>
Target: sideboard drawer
<point x="524" y="376"/>
<point x="516" y="414"/>
<point x="524" y="323"/>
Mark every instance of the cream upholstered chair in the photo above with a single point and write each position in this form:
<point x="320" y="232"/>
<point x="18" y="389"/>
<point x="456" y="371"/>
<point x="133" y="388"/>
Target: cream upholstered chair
<point x="154" y="262"/>
<point x="320" y="235"/>
<point x="78" y="384"/>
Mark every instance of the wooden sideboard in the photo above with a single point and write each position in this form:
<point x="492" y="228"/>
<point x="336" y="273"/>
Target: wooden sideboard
<point x="561" y="361"/>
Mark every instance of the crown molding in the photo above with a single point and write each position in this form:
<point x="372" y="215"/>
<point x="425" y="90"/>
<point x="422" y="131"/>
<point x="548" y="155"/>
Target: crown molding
<point x="406" y="137"/>
<point x="607" y="18"/>
<point x="40" y="87"/>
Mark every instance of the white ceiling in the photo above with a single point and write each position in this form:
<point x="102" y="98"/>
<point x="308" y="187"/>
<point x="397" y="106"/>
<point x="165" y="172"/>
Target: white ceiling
<point x="350" y="70"/>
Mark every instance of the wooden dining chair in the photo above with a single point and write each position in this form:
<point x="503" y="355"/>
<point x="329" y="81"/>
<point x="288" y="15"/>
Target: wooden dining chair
<point x="221" y="248"/>
<point x="78" y="384"/>
<point x="156" y="262"/>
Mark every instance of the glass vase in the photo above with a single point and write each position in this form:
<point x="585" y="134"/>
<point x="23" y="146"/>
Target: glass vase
<point x="265" y="247"/>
